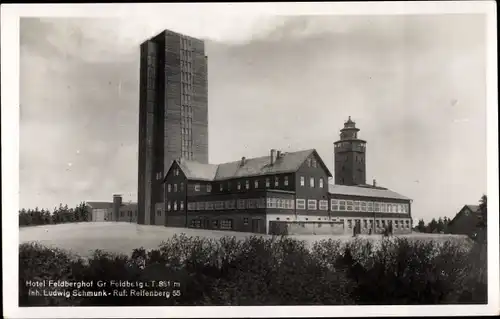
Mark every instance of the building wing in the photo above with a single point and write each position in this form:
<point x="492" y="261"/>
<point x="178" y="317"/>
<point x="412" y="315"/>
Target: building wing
<point x="365" y="191"/>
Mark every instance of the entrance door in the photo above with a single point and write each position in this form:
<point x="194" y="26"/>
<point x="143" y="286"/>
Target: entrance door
<point x="255" y="225"/>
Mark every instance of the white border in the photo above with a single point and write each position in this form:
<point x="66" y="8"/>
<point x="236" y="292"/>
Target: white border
<point x="10" y="152"/>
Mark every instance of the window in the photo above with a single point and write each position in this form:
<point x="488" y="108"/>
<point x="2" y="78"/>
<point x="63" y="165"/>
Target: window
<point x="175" y="205"/>
<point x="312" y="204"/>
<point x="376" y="207"/>
<point x="175" y="187"/>
<point x="357" y="206"/>
<point x="365" y="223"/>
<point x="286" y="180"/>
<point x="311" y="182"/>
<point x="314" y="163"/>
<point x="229" y="204"/>
<point x="209" y="205"/>
<point x="221" y="187"/>
<point x="226" y="224"/>
<point x="271" y="202"/>
<point x="321" y="182"/>
<point x="209" y="188"/>
<point x="370" y="206"/>
<point x="228" y="186"/>
<point x="121" y="214"/>
<point x="168" y="206"/>
<point x="158" y="212"/>
<point x="407" y="224"/>
<point x="301" y="204"/>
<point x="268" y="182"/>
<point x="256" y="183"/>
<point x="396" y="224"/>
<point x="200" y="206"/>
<point x="182" y="187"/>
<point x="276" y="181"/>
<point x="342" y="205"/>
<point x="219" y="205"/>
<point x="195" y="223"/>
<point x="350" y="205"/>
<point x="383" y="223"/>
<point x="196" y="187"/>
<point x="349" y="223"/>
<point x="383" y="207"/>
<point x="169" y="188"/>
<point x="215" y="223"/>
<point x="302" y="181"/>
<point x="323" y="205"/>
<point x="247" y="184"/>
<point x="245" y="221"/>
<point x="238" y="186"/>
<point x="191" y="206"/>
<point x="250" y="203"/>
<point x="335" y="205"/>
<point x="309" y="162"/>
<point x="181" y="205"/>
<point x="241" y="204"/>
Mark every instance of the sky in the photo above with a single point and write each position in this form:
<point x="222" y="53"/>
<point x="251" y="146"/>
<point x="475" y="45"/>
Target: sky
<point x="414" y="84"/>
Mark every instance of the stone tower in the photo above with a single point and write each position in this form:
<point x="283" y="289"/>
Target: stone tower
<point x="350" y="164"/>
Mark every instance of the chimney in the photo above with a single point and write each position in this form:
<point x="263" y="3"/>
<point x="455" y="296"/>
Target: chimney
<point x="273" y="156"/>
<point x="374" y="183"/>
<point x="117" y="203"/>
<point x="243" y="161"/>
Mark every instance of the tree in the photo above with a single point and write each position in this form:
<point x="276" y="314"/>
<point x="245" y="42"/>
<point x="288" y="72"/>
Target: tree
<point x="432" y="226"/>
<point x="483" y="211"/>
<point x="421" y="226"/>
<point x="440" y="225"/>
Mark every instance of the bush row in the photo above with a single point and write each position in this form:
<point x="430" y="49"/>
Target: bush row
<point x="270" y="271"/>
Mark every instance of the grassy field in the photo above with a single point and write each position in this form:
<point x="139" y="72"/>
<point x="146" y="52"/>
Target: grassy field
<point x="120" y="237"/>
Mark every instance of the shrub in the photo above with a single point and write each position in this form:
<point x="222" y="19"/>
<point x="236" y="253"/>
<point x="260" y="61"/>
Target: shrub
<point x="271" y="271"/>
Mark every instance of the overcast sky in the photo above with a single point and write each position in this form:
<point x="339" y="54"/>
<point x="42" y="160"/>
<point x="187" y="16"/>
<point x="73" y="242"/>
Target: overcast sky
<point x="415" y="85"/>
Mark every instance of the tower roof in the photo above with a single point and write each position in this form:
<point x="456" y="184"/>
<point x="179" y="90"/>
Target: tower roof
<point x="349" y="121"/>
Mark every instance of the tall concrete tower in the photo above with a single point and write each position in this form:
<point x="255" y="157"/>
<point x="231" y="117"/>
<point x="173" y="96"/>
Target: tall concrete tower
<point x="350" y="156"/>
<point x="173" y="112"/>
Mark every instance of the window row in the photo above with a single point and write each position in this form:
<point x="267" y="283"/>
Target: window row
<point x="276" y="181"/>
<point x="186" y="55"/>
<point x="311" y="162"/>
<point x="174" y="188"/>
<point x="226" y="224"/>
<point x="364" y="206"/>
<point x="186" y="77"/>
<point x="312" y="204"/>
<point x="368" y="223"/>
<point x="185" y="99"/>
<point x="251" y="203"/>
<point x="174" y="205"/>
<point x="187" y="89"/>
<point x="312" y="182"/>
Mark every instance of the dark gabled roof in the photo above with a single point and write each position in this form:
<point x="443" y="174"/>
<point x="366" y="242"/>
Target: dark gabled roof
<point x="197" y="171"/>
<point x="472" y="208"/>
<point x="287" y="163"/>
<point x="364" y="191"/>
<point x="99" y="205"/>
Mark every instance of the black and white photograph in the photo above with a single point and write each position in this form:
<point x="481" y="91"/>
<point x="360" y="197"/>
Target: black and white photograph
<point x="162" y="159"/>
